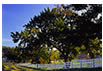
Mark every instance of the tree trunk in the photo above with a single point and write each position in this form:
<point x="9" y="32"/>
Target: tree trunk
<point x="66" y="59"/>
<point x="49" y="61"/>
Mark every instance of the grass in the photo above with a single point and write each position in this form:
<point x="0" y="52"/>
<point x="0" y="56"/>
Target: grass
<point x="75" y="69"/>
<point x="13" y="67"/>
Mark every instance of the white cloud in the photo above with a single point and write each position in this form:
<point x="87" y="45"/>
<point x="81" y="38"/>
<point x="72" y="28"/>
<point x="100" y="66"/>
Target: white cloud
<point x="6" y="40"/>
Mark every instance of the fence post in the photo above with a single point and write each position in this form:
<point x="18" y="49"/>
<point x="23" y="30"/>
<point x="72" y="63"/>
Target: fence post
<point x="37" y="65"/>
<point x="71" y="64"/>
<point x="64" y="65"/>
<point x="55" y="66"/>
<point x="80" y="63"/>
<point x="93" y="63"/>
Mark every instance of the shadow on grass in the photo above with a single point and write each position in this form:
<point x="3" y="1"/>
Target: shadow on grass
<point x="38" y="69"/>
<point x="74" y="69"/>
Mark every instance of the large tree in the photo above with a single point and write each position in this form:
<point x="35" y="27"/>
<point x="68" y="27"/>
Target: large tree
<point x="51" y="28"/>
<point x="63" y="29"/>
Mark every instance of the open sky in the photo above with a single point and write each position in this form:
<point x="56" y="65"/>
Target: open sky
<point x="14" y="16"/>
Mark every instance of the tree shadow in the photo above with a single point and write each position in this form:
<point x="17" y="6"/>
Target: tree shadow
<point x="74" y="69"/>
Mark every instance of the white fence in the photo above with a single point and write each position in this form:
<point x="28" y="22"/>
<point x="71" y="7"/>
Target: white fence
<point x="87" y="63"/>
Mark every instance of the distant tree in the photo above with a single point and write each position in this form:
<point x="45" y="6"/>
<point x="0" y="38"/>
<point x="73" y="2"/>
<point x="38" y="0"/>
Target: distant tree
<point x="53" y="55"/>
<point x="4" y="50"/>
<point x="46" y="56"/>
<point x="11" y="53"/>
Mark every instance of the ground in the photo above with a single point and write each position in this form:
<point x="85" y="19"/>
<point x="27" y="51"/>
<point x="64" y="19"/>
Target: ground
<point x="13" y="67"/>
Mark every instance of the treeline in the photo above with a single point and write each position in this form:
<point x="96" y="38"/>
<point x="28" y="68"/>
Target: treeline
<point x="34" y="55"/>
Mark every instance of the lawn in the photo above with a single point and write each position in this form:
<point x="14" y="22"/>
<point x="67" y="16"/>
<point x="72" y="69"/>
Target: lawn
<point x="13" y="67"/>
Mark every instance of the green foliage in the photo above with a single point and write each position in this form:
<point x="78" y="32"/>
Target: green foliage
<point x="42" y="55"/>
<point x="41" y="60"/>
<point x="53" y="55"/>
<point x="64" y="29"/>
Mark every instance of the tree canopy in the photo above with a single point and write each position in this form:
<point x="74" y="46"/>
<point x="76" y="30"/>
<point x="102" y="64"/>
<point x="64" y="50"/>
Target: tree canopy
<point x="65" y="29"/>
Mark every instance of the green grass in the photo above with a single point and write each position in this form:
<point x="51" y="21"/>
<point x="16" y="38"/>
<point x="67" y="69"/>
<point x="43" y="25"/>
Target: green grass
<point x="75" y="69"/>
<point x="13" y="67"/>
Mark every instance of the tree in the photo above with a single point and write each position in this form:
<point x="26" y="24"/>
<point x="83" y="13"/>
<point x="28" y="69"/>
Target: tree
<point x="12" y="53"/>
<point x="63" y="29"/>
<point x="53" y="55"/>
<point x="50" y="28"/>
<point x="46" y="56"/>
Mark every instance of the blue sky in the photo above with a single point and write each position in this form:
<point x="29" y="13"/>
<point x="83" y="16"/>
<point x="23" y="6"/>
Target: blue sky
<point x="14" y="16"/>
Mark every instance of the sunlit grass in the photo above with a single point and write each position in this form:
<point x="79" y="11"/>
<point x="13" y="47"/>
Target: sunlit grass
<point x="13" y="67"/>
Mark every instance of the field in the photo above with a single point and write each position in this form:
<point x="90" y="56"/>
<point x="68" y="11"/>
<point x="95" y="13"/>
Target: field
<point x="13" y="67"/>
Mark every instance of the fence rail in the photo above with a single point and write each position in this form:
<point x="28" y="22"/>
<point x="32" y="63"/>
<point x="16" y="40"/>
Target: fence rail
<point x="87" y="63"/>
